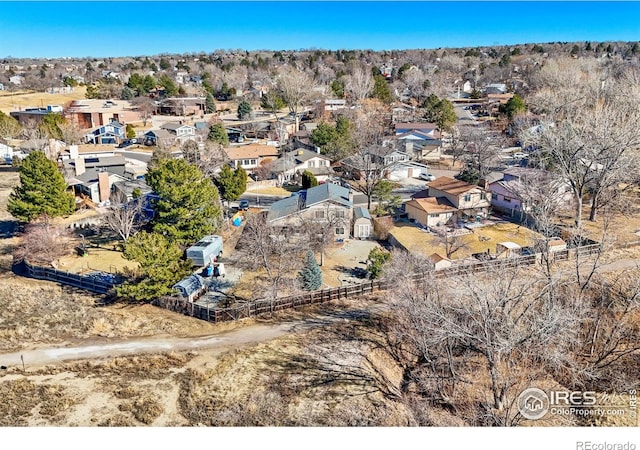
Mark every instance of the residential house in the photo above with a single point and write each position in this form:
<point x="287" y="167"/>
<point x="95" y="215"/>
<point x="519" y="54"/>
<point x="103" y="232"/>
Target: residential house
<point x="94" y="184"/>
<point x="180" y="131"/>
<point x="183" y="106"/>
<point x="495" y="88"/>
<point x="362" y="223"/>
<point x="430" y="211"/>
<point x="29" y="115"/>
<point x="448" y="200"/>
<point x="127" y="188"/>
<point x="93" y="113"/>
<point x="112" y="133"/>
<point x="160" y="138"/>
<point x="513" y="196"/>
<point x="290" y="165"/>
<point x="251" y="156"/>
<point x="327" y="204"/>
<point x="16" y="79"/>
<point x="112" y="164"/>
<point x="422" y="140"/>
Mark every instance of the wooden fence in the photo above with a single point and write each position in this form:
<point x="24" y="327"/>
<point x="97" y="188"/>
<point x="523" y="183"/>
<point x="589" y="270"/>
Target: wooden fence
<point x="258" y="307"/>
<point x="87" y="283"/>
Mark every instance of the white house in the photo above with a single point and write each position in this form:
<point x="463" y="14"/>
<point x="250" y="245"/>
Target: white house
<point x="293" y="164"/>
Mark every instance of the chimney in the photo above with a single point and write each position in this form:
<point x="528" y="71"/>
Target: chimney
<point x="73" y="151"/>
<point x="351" y="196"/>
<point x="103" y="186"/>
<point x="79" y="164"/>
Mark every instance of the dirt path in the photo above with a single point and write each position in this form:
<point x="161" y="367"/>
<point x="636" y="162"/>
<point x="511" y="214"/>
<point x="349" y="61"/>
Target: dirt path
<point x="222" y="341"/>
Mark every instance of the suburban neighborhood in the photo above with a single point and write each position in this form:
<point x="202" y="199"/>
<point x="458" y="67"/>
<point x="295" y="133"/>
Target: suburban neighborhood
<point x="322" y="237"/>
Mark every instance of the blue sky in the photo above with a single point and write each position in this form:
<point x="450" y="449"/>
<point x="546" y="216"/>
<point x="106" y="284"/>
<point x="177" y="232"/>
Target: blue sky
<point x="123" y="28"/>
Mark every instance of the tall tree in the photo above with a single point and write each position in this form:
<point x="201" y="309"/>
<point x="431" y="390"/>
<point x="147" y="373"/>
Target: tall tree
<point x="244" y="110"/>
<point x="296" y="89"/>
<point x="10" y="128"/>
<point x="381" y="89"/>
<point x="231" y="183"/>
<point x="42" y="190"/>
<point x="217" y="133"/>
<point x="209" y="103"/>
<point x="161" y="267"/>
<point x="308" y="180"/>
<point x="188" y="204"/>
<point x="439" y="111"/>
<point x="359" y="84"/>
<point x="310" y="275"/>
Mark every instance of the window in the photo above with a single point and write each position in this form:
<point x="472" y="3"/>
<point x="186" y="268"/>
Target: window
<point x="319" y="214"/>
<point x="507" y="200"/>
<point x="321" y="163"/>
<point x="483" y="196"/>
<point x="340" y="214"/>
<point x="311" y="164"/>
<point x="246" y="162"/>
<point x="434" y="216"/>
<point x="467" y="198"/>
<point x="254" y="162"/>
<point x="339" y="230"/>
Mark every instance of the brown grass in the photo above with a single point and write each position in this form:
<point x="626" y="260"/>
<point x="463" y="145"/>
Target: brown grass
<point x="416" y="239"/>
<point x="9" y="102"/>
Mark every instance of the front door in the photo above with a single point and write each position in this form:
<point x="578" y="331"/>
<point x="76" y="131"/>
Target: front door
<point x="364" y="230"/>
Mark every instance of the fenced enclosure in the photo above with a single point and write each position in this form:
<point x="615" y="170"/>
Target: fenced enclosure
<point x="96" y="282"/>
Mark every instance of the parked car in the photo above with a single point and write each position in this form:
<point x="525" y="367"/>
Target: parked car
<point x="243" y="205"/>
<point x="125" y="143"/>
<point x="520" y="155"/>
<point x="427" y="176"/>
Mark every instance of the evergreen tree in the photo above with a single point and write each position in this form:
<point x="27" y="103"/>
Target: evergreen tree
<point x="381" y="89"/>
<point x="217" y="133"/>
<point x="439" y="111"/>
<point x="9" y="127"/>
<point x="244" y="110"/>
<point x="231" y="183"/>
<point x="209" y="104"/>
<point x="513" y="107"/>
<point x="161" y="266"/>
<point x="377" y="259"/>
<point x="308" y="180"/>
<point x="127" y="93"/>
<point x="131" y="133"/>
<point x="188" y="206"/>
<point x="310" y="275"/>
<point x="42" y="190"/>
<point x="50" y="125"/>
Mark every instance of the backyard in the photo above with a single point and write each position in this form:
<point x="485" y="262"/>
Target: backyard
<point x="479" y="240"/>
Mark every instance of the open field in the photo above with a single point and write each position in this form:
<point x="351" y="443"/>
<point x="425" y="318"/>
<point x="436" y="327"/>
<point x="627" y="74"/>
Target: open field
<point x="622" y="228"/>
<point x="478" y="241"/>
<point x="12" y="102"/>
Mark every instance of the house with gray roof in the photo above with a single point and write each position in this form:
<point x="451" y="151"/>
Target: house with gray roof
<point x="327" y="204"/>
<point x="290" y="165"/>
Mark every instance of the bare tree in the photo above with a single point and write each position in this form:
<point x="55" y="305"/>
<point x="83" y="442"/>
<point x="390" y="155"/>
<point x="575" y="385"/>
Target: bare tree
<point x="296" y="88"/>
<point x="359" y="84"/>
<point x="504" y="318"/>
<point x="44" y="243"/>
<point x="267" y="249"/>
<point x="123" y="217"/>
<point x="480" y="151"/>
<point x="145" y="106"/>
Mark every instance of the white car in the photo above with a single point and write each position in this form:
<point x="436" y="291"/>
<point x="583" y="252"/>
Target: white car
<point x="520" y="155"/>
<point x="427" y="176"/>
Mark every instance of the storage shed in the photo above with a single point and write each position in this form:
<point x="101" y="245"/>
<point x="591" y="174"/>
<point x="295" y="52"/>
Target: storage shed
<point x="206" y="250"/>
<point x="361" y="223"/>
<point x="440" y="262"/>
<point x="191" y="287"/>
<point x="508" y="249"/>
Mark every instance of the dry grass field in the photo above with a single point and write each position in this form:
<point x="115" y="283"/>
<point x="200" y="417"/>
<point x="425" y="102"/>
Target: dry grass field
<point x="12" y="102"/>
<point x="481" y="239"/>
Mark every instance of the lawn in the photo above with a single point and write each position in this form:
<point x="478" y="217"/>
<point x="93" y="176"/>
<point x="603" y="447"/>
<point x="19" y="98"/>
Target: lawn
<point x="623" y="228"/>
<point x="478" y="241"/>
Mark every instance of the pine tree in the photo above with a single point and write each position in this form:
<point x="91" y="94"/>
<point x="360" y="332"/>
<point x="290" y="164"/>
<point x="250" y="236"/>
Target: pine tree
<point x="218" y="134"/>
<point x="161" y="266"/>
<point x="231" y="183"/>
<point x="209" y="104"/>
<point x="308" y="180"/>
<point x="244" y="110"/>
<point x="188" y="206"/>
<point x="311" y="275"/>
<point x="42" y="190"/>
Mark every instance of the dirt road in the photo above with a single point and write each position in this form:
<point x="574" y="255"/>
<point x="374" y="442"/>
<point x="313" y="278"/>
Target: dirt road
<point x="223" y="341"/>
